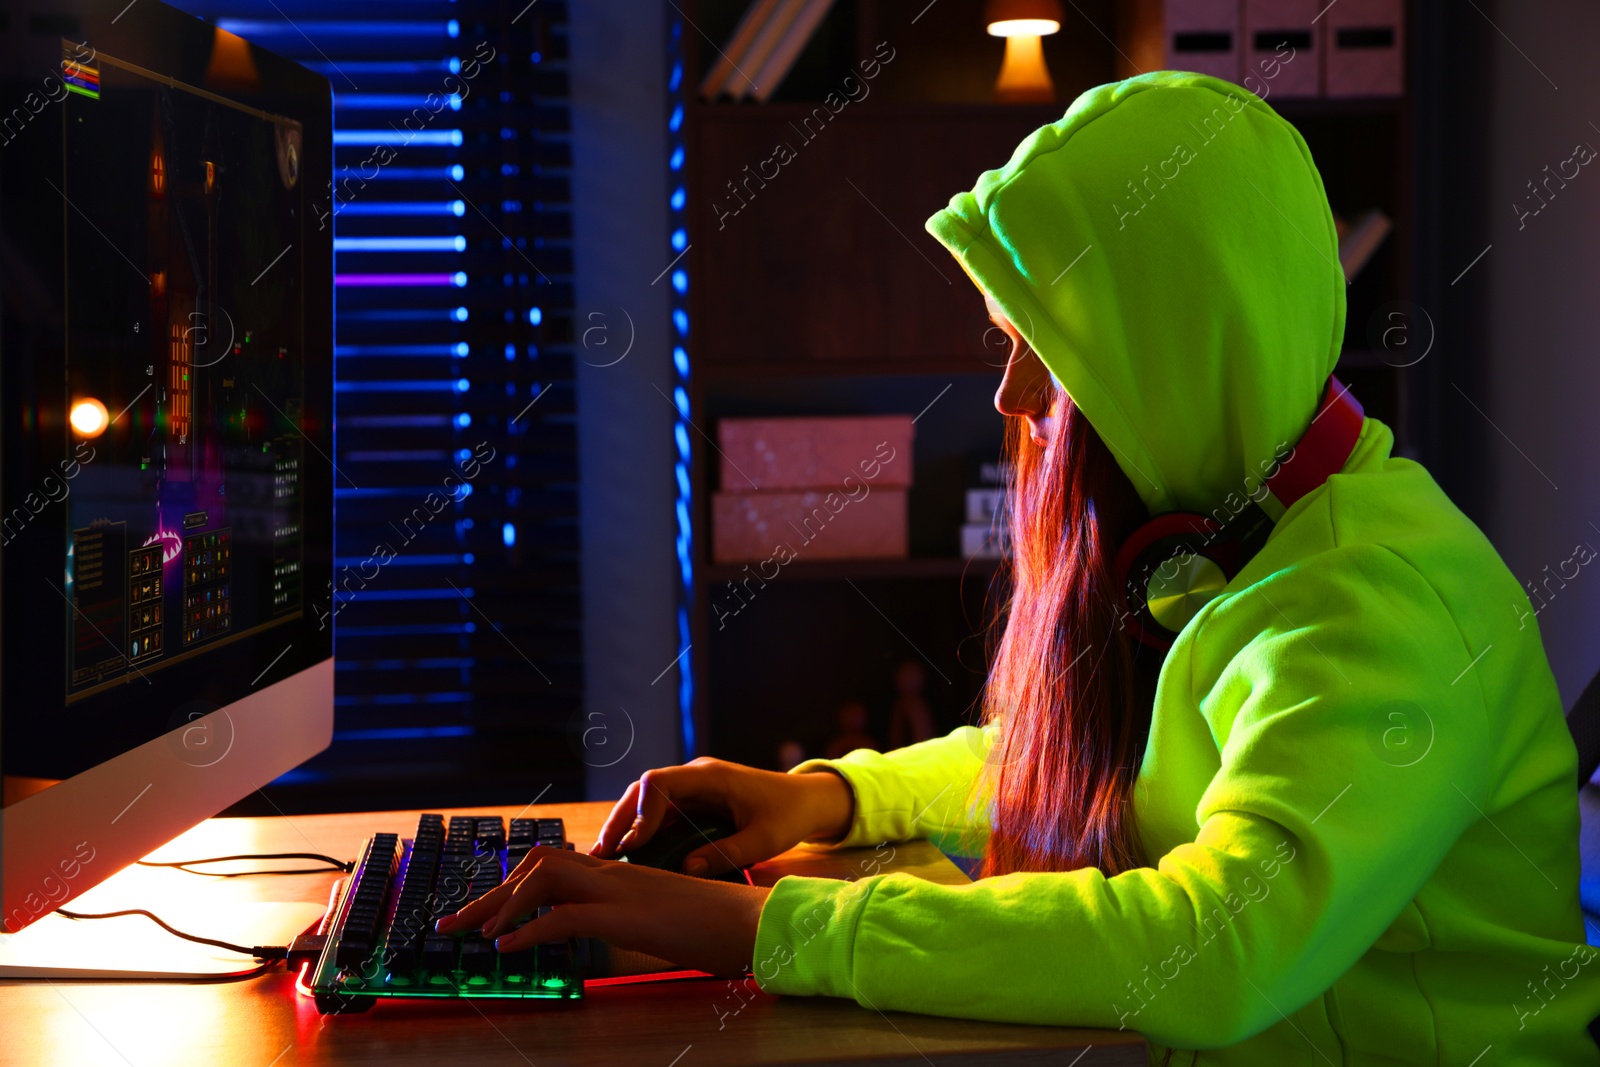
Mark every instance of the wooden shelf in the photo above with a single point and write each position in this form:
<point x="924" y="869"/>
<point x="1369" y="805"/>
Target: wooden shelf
<point x="1040" y="114"/>
<point x="880" y="110"/>
<point x="1370" y="359"/>
<point x="1336" y="107"/>
<point x="870" y="570"/>
<point x="938" y="366"/>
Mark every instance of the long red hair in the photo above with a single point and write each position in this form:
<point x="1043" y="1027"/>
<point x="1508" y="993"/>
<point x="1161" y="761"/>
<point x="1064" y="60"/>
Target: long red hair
<point x="1072" y="705"/>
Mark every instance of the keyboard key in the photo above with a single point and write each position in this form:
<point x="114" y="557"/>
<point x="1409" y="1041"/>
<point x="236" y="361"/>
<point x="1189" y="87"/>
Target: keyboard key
<point x="429" y="832"/>
<point x="439" y="953"/>
<point x="462" y="834"/>
<point x="404" y="958"/>
<point x="411" y="918"/>
<point x="352" y="952"/>
<point x="555" y="959"/>
<point x="453" y="881"/>
<point x="491" y="834"/>
<point x="477" y="956"/>
<point x="412" y="902"/>
<point x="523" y="961"/>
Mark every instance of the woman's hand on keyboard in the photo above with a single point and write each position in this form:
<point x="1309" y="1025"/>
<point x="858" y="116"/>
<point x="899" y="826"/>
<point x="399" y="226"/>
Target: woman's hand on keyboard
<point x="773" y="811"/>
<point x="707" y="925"/>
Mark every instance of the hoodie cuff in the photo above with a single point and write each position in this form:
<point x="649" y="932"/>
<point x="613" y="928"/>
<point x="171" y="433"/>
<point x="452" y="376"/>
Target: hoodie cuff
<point x="873" y="818"/>
<point x="805" y="940"/>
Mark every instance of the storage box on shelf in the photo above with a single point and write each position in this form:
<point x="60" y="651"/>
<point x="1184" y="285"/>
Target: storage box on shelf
<point x="817" y="452"/>
<point x="809" y="524"/>
<point x="1277" y="49"/>
<point x="1365" y="52"/>
<point x="814" y="488"/>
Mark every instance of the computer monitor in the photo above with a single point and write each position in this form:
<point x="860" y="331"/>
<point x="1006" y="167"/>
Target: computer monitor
<point x="166" y="434"/>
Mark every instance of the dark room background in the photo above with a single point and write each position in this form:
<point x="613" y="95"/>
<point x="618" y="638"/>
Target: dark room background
<point x="550" y="631"/>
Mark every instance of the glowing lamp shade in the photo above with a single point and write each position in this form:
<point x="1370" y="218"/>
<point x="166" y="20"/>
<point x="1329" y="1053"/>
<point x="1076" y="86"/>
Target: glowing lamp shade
<point x="1024" y="78"/>
<point x="1023" y="27"/>
<point x="89" y="417"/>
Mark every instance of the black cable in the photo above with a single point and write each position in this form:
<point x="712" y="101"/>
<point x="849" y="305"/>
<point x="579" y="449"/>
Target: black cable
<point x="185" y="865"/>
<point x="200" y="979"/>
<point x="260" y="952"/>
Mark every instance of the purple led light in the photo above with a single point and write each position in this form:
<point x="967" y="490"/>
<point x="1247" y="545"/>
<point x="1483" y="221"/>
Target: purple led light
<point x="395" y="279"/>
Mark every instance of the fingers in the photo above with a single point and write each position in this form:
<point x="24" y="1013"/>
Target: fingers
<point x="669" y="791"/>
<point x="473" y="915"/>
<point x="735" y="850"/>
<point x="539" y="879"/>
<point x="617" y="823"/>
<point x="653" y="796"/>
<point x="545" y="884"/>
<point x="569" y="920"/>
<point x="656" y="794"/>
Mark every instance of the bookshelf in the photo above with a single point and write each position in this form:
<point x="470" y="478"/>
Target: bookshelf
<point x="816" y="291"/>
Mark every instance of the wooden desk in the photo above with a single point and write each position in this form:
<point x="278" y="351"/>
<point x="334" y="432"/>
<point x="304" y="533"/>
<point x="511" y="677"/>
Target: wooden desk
<point x="263" y="1022"/>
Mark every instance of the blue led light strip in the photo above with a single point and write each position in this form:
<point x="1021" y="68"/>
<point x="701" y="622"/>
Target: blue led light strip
<point x="677" y="218"/>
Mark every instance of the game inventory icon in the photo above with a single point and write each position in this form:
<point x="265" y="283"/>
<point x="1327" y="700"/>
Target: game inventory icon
<point x="207" y="599"/>
<point x="144" y="603"/>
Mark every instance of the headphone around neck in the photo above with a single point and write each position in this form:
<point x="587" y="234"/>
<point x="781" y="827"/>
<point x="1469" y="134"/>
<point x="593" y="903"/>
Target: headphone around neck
<point x="1179" y="561"/>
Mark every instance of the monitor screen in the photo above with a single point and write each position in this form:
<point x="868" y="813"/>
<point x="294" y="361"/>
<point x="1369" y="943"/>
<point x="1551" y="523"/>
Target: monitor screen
<point x="187" y="532"/>
<point x="167" y="509"/>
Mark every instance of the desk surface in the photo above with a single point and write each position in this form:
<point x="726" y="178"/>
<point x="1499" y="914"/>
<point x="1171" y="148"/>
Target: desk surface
<point x="263" y="1022"/>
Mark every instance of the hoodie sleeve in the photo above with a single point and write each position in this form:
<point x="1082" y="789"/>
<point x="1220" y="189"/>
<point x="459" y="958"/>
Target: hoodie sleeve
<point x="1317" y="830"/>
<point x="922" y="790"/>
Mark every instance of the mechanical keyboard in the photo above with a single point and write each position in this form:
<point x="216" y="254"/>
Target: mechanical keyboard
<point x="377" y="938"/>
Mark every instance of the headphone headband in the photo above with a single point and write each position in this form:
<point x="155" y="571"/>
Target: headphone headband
<point x="1323" y="449"/>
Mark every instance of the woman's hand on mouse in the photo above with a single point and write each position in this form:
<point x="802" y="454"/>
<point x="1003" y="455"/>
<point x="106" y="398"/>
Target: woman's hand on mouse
<point x="773" y="811"/>
<point x="709" y="926"/>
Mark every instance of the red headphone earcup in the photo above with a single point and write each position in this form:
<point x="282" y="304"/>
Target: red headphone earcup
<point x="1146" y="549"/>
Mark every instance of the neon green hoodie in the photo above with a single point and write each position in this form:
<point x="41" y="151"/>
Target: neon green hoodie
<point x="1358" y="799"/>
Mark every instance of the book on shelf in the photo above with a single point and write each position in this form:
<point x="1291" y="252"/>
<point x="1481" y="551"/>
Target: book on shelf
<point x="1358" y="241"/>
<point x="986" y="533"/>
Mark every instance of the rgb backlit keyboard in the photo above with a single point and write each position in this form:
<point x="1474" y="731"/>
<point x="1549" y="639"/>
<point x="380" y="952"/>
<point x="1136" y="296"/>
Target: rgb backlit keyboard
<point x="378" y="933"/>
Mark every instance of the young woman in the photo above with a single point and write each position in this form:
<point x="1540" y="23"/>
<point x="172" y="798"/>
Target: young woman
<point x="1341" y="825"/>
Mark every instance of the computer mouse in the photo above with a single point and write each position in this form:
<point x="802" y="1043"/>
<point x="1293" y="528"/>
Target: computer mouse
<point x="675" y="838"/>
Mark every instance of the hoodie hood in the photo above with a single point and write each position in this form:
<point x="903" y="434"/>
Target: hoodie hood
<point x="1167" y="249"/>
